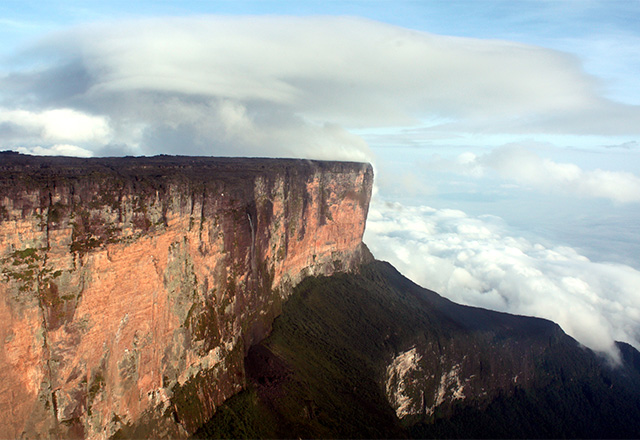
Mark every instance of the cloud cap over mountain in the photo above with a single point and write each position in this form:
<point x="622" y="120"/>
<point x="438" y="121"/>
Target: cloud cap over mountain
<point x="281" y="85"/>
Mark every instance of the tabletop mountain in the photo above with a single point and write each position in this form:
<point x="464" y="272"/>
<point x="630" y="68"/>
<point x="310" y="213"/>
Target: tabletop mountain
<point x="223" y="297"/>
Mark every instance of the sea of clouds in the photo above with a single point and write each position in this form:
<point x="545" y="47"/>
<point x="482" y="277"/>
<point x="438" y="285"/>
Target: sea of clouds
<point x="477" y="261"/>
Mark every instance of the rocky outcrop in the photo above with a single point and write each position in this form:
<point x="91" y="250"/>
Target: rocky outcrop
<point x="132" y="288"/>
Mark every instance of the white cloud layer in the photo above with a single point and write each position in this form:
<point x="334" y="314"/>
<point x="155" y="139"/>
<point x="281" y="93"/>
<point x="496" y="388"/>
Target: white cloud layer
<point x="525" y="167"/>
<point x="288" y="85"/>
<point x="56" y="150"/>
<point x="476" y="261"/>
<point x="58" y="125"/>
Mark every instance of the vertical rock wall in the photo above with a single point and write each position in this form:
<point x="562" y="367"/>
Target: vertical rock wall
<point x="130" y="289"/>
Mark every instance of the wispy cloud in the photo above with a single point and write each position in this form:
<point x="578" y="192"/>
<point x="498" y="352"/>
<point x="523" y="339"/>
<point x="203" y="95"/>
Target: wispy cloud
<point x="629" y="145"/>
<point x="521" y="165"/>
<point x="476" y="261"/>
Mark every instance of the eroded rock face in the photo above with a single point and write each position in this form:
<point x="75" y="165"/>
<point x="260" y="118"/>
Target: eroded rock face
<point x="432" y="377"/>
<point x="131" y="289"/>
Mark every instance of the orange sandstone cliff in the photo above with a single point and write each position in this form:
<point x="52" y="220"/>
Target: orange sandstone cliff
<point x="131" y="288"/>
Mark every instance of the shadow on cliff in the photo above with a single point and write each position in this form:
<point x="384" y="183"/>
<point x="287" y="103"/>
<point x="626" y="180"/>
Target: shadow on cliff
<point x="327" y="371"/>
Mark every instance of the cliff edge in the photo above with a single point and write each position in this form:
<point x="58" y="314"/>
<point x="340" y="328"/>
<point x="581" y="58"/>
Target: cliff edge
<point x="132" y="288"/>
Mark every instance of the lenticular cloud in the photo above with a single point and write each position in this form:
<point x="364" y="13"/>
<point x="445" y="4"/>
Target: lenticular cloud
<point x="286" y="86"/>
<point x="475" y="261"/>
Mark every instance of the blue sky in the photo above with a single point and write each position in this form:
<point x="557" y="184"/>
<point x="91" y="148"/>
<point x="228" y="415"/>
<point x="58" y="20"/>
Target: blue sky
<point x="512" y="126"/>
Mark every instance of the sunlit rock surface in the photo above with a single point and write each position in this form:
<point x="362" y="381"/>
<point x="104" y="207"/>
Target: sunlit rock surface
<point x="131" y="288"/>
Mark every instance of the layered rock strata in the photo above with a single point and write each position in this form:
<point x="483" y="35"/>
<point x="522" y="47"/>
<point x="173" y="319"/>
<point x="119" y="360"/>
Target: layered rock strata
<point x="131" y="288"/>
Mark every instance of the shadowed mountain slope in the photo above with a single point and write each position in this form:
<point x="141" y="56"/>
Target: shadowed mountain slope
<point x="374" y="355"/>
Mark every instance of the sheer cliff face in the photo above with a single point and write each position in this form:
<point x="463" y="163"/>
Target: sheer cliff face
<point x="132" y="288"/>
